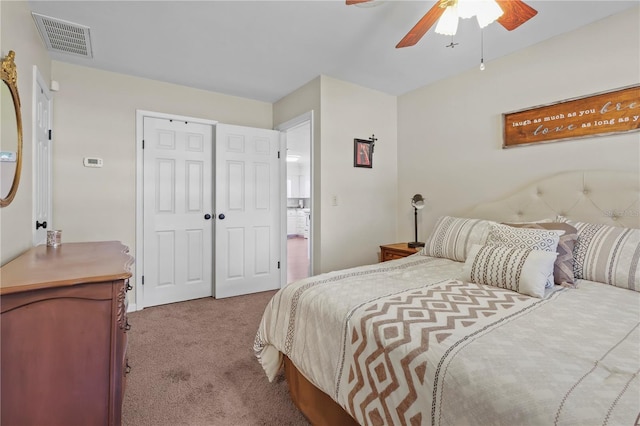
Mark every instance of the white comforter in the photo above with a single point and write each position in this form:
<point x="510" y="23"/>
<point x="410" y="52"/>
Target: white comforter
<point x="404" y="342"/>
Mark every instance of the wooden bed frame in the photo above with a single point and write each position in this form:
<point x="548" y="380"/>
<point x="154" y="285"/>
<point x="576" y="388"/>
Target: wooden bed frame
<point x="316" y="405"/>
<point x="600" y="196"/>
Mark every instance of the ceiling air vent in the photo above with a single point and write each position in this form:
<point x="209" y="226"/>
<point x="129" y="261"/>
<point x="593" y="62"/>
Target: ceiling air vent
<point x="63" y="36"/>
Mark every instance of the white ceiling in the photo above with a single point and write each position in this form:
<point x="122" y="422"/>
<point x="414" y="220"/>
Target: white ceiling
<point x="264" y="50"/>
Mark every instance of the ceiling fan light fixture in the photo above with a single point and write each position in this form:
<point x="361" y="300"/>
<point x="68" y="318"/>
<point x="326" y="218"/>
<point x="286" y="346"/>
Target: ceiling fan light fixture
<point x="448" y="22"/>
<point x="485" y="11"/>
<point x="509" y="13"/>
<point x="468" y="8"/>
<point x="488" y="13"/>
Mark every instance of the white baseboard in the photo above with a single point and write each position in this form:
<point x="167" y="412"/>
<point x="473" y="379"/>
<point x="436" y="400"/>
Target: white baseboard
<point x="132" y="307"/>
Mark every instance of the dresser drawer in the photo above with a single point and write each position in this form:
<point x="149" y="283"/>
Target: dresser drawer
<point x="396" y="251"/>
<point x="390" y="255"/>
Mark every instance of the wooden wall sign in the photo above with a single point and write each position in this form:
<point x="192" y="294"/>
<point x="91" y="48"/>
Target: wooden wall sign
<point x="616" y="111"/>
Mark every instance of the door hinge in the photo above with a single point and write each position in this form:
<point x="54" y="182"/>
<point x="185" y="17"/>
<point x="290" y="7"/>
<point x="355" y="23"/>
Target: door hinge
<point x="278" y="264"/>
<point x="143" y="280"/>
<point x="142" y="143"/>
<point x="278" y="154"/>
<point x="50" y="134"/>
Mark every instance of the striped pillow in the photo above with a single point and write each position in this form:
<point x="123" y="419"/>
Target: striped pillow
<point x="453" y="237"/>
<point x="607" y="254"/>
<point x="525" y="271"/>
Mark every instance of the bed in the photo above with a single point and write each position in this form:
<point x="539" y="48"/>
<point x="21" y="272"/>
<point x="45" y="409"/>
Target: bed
<point x="524" y="310"/>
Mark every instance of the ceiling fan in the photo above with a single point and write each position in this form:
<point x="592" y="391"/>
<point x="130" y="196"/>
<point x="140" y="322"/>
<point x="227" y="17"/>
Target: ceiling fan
<point x="509" y="13"/>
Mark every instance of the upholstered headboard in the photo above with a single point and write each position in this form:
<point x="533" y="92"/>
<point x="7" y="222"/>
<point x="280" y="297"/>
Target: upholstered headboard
<point x="598" y="196"/>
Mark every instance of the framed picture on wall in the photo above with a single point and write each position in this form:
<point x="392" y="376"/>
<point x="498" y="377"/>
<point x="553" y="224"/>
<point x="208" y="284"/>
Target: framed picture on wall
<point x="362" y="153"/>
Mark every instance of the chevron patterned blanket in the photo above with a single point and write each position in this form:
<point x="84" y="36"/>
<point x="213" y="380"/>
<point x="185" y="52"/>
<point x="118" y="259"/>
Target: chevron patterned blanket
<point x="404" y="343"/>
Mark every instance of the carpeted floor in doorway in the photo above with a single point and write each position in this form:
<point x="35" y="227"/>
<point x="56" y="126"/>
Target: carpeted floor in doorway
<point x="193" y="364"/>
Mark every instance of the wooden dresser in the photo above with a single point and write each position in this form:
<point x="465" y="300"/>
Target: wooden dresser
<point x="64" y="342"/>
<point x="396" y="251"/>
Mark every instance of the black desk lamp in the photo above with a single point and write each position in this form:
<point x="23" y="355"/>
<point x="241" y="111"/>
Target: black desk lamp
<point x="417" y="202"/>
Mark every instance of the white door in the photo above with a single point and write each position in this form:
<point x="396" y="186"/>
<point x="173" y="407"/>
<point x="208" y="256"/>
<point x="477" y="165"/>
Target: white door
<point x="177" y="211"/>
<point x="42" y="179"/>
<point x="247" y="210"/>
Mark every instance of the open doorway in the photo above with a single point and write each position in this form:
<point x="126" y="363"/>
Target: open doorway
<point x="298" y="137"/>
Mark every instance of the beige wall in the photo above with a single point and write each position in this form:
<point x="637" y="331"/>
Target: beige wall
<point x="98" y="204"/>
<point x="18" y="33"/>
<point x="450" y="133"/>
<point x="348" y="234"/>
<point x="365" y="216"/>
<point x="95" y="115"/>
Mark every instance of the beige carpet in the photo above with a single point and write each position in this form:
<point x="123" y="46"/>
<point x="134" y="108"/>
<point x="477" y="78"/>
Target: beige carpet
<point x="193" y="364"/>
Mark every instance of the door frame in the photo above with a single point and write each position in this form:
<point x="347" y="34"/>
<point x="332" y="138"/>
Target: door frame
<point x="139" y="252"/>
<point x="282" y="128"/>
<point x="38" y="82"/>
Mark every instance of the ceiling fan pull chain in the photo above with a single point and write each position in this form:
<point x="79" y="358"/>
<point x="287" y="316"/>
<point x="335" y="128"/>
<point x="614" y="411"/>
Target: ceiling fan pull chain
<point x="481" y="49"/>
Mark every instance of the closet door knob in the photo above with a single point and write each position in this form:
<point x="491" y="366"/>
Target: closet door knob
<point x="221" y="216"/>
<point x="207" y="216"/>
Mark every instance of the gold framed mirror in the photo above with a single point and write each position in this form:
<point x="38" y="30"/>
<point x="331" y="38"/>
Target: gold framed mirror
<point x="11" y="133"/>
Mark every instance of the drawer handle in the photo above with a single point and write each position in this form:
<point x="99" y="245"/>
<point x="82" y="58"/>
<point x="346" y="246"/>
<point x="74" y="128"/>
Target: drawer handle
<point x="129" y="288"/>
<point x="127" y="369"/>
<point x="127" y="326"/>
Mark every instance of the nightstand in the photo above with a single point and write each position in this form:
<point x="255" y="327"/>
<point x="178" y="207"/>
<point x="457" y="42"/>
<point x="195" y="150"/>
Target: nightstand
<point x="396" y="251"/>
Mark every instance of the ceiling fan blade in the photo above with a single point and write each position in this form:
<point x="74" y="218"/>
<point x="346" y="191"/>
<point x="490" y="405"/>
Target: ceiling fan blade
<point x="349" y="2"/>
<point x="516" y="13"/>
<point x="423" y="25"/>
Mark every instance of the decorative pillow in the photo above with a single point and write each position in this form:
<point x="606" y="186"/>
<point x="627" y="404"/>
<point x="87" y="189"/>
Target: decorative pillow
<point x="525" y="238"/>
<point x="607" y="254"/>
<point x="452" y="237"/>
<point x="563" y="267"/>
<point x="525" y="271"/>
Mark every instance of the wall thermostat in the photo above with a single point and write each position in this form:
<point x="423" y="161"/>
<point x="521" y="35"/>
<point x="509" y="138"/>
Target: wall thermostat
<point x="92" y="162"/>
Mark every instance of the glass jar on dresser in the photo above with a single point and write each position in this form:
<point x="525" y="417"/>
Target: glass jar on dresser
<point x="64" y="334"/>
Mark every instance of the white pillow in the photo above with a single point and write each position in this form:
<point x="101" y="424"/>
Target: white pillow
<point x="525" y="271"/>
<point x="452" y="237"/>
